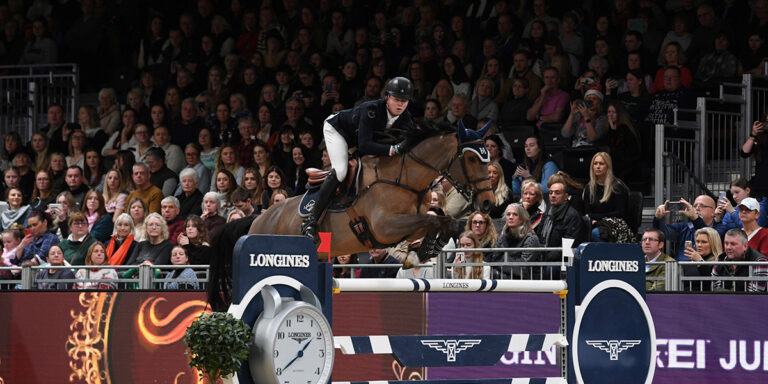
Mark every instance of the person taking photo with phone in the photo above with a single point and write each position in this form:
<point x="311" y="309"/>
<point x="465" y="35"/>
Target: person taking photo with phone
<point x="700" y="215"/>
<point x="756" y="146"/>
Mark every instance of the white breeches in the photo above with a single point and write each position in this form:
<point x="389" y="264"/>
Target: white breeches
<point x="338" y="149"/>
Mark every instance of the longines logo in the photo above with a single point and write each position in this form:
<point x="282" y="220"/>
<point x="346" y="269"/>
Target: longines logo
<point x="451" y="347"/>
<point x="613" y="347"/>
<point x="299" y="337"/>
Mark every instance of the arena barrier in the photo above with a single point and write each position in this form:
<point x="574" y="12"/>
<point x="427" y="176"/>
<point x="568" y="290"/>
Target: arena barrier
<point x="606" y="333"/>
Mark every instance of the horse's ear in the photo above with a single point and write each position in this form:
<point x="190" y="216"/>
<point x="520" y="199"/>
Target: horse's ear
<point x="461" y="132"/>
<point x="485" y="128"/>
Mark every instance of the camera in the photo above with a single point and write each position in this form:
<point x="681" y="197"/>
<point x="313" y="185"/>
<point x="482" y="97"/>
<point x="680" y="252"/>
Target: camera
<point x="587" y="81"/>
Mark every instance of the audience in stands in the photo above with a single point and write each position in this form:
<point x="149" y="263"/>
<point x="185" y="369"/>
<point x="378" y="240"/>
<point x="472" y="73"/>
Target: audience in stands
<point x="516" y="233"/>
<point x="652" y="243"/>
<point x="536" y="164"/>
<point x="96" y="255"/>
<point x="606" y="198"/>
<point x="122" y="243"/>
<point x="381" y="257"/>
<point x="701" y="214"/>
<point x="736" y="248"/>
<point x="469" y="239"/>
<point x="707" y="247"/>
<point x="76" y="245"/>
<point x="244" y="105"/>
<point x="46" y="277"/>
<point x="178" y="276"/>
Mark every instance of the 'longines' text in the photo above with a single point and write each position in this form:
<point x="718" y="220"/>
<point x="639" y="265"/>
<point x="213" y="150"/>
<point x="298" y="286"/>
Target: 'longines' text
<point x="279" y="261"/>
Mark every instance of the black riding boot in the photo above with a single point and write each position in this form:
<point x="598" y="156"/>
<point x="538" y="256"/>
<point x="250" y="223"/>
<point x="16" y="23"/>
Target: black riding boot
<point x="327" y="190"/>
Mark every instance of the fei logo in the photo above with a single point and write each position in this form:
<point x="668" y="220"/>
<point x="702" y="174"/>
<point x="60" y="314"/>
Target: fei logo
<point x="451" y="347"/>
<point x="613" y="347"/>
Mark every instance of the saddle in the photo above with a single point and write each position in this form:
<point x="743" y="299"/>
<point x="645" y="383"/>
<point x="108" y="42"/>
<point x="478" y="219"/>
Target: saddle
<point x="345" y="194"/>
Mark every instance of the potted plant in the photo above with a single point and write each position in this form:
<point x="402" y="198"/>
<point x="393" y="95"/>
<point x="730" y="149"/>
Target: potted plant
<point x="217" y="343"/>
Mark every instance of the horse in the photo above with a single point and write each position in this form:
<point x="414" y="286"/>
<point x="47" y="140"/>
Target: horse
<point x="389" y="203"/>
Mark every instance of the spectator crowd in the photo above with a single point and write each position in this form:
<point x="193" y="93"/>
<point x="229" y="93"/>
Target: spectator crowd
<point x="209" y="111"/>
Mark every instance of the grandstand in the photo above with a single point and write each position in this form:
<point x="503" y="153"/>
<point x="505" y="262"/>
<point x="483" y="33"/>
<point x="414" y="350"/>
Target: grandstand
<point x="671" y="91"/>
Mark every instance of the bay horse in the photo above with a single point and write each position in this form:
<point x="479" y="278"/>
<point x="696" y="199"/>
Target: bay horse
<point x="392" y="189"/>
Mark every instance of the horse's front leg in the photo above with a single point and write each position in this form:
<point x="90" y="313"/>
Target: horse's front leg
<point x="413" y="226"/>
<point x="423" y="226"/>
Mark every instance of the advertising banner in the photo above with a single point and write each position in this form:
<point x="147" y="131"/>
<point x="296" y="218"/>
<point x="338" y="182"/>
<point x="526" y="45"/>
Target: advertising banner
<point x="136" y="337"/>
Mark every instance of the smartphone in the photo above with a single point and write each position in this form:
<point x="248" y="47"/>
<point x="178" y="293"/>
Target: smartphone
<point x="675" y="206"/>
<point x="459" y="257"/>
<point x="689" y="244"/>
<point x="51" y="207"/>
<point x="588" y="103"/>
<point x="27" y="232"/>
<point x="721" y="197"/>
<point x="328" y="88"/>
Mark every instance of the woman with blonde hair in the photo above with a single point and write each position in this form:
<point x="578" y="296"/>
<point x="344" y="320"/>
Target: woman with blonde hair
<point x="227" y="158"/>
<point x="481" y="225"/>
<point x="532" y="198"/>
<point x="606" y="202"/>
<point x="156" y="249"/>
<point x="707" y="247"/>
<point x="114" y="193"/>
<point x="501" y="191"/>
<point x="517" y="233"/>
<point x="469" y="239"/>
<point x="443" y="93"/>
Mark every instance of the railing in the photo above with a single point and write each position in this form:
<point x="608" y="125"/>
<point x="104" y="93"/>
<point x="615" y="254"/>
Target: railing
<point x="27" y="91"/>
<point x="708" y="143"/>
<point x="675" y="278"/>
<point x="143" y="276"/>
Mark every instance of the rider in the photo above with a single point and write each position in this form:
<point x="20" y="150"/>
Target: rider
<point x="355" y="127"/>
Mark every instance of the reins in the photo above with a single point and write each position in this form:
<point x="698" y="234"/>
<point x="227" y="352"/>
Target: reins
<point x="467" y="190"/>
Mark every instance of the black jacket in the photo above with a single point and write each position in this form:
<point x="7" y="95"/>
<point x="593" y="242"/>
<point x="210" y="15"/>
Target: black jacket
<point x="558" y="222"/>
<point x="364" y="125"/>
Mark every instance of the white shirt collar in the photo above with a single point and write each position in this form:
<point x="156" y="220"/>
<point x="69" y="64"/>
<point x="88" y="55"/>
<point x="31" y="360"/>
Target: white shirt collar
<point x="391" y="119"/>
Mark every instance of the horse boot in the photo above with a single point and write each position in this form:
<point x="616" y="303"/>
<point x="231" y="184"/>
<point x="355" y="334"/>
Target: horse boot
<point x="324" y="195"/>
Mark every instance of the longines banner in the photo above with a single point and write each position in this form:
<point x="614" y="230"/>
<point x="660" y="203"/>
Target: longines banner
<point x="135" y="337"/>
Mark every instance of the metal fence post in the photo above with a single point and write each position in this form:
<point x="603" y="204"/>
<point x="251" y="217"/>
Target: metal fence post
<point x="32" y="110"/>
<point x="440" y="265"/>
<point x="747" y="117"/>
<point x="671" y="276"/>
<point x="701" y="135"/>
<point x="27" y="278"/>
<point x="659" y="165"/>
<point x="145" y="277"/>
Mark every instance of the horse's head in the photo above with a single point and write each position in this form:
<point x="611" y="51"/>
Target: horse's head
<point x="473" y="159"/>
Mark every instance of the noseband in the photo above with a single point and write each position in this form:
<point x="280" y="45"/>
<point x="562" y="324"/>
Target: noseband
<point x="467" y="190"/>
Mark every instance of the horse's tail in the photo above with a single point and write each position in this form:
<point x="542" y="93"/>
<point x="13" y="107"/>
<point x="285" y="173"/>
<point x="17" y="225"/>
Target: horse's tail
<point x="220" y="278"/>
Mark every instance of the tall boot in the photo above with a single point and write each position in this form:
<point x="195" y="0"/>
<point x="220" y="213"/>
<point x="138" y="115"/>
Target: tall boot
<point x="327" y="190"/>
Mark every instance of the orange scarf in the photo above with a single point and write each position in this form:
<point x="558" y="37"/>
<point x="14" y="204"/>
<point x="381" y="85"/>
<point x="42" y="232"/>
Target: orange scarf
<point x="118" y="257"/>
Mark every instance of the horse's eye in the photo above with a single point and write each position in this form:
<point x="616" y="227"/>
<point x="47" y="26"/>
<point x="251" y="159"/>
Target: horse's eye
<point x="472" y="159"/>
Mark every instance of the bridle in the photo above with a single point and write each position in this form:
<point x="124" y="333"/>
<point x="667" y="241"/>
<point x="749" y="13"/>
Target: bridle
<point x="467" y="190"/>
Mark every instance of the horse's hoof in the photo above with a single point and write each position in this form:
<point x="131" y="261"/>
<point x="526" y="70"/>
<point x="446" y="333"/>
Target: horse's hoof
<point x="410" y="261"/>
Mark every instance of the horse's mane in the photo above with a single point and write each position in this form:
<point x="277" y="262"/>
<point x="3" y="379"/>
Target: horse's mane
<point x="423" y="129"/>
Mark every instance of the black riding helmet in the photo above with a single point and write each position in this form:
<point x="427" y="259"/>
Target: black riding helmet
<point x="401" y="88"/>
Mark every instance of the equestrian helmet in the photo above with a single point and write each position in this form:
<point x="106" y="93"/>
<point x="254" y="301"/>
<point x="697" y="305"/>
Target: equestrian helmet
<point x="401" y="88"/>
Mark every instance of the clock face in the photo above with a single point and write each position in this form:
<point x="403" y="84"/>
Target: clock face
<point x="303" y="348"/>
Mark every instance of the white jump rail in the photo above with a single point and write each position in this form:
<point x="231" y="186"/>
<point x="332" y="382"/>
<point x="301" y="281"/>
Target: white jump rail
<point x="448" y="285"/>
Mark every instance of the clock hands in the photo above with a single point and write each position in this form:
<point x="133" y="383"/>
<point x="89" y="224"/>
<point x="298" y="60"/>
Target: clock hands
<point x="300" y="354"/>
